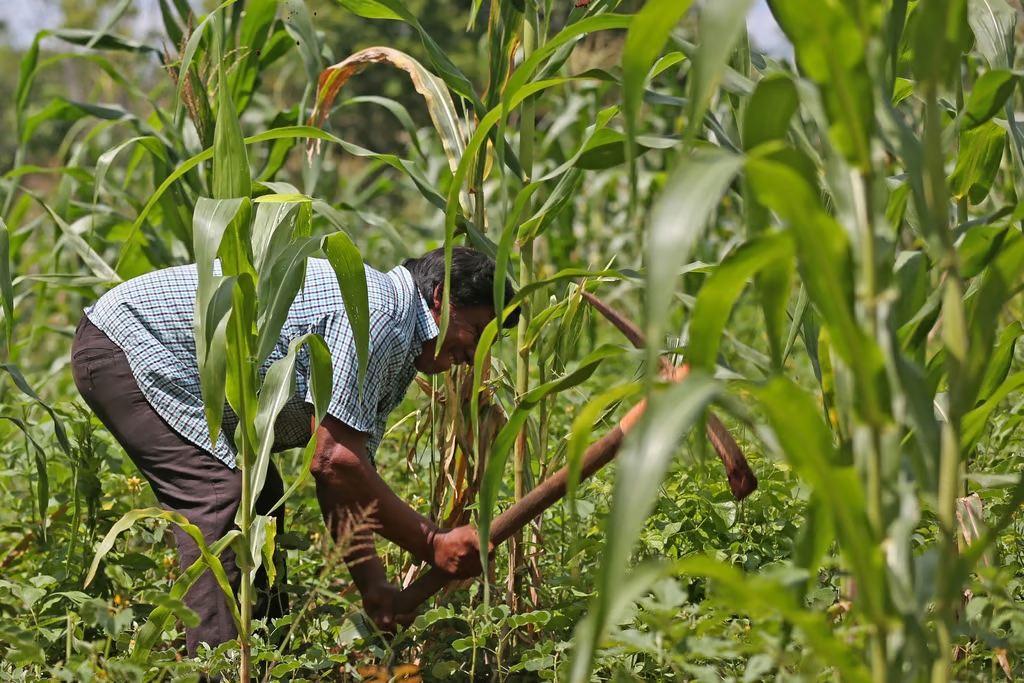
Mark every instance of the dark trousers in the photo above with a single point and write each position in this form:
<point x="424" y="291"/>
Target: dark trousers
<point x="185" y="479"/>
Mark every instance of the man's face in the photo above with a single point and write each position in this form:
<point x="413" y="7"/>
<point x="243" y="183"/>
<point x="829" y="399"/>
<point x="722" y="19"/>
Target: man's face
<point x="465" y="325"/>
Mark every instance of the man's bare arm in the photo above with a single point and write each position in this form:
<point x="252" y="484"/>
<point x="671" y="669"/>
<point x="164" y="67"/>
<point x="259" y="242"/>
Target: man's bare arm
<point x="350" y="490"/>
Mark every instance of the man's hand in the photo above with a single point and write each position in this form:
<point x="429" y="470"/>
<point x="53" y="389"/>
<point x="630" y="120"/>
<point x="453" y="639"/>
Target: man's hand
<point x="457" y="551"/>
<point x="379" y="603"/>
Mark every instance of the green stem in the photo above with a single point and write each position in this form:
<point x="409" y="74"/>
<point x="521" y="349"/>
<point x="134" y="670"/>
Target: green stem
<point x="526" y="276"/>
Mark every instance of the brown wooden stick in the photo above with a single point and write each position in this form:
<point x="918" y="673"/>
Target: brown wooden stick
<point x="742" y="480"/>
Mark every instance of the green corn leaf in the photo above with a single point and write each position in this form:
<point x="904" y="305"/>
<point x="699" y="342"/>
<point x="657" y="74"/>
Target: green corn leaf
<point x="99" y="40"/>
<point x="807" y="445"/>
<point x="276" y="290"/>
<point x="981" y="244"/>
<point x="677" y="224"/>
<point x="770" y="110"/>
<point x="351" y="273"/>
<point x="588" y="632"/>
<point x="212" y="311"/>
<point x="819" y="241"/>
<point x="231" y="177"/>
<point x="993" y="23"/>
<point x="241" y="380"/>
<point x="720" y="25"/>
<point x="582" y="428"/>
<point x="399" y="112"/>
<point x="981" y="152"/>
<point x="988" y="95"/>
<point x="645" y="39"/>
<point x="829" y="49"/>
<point x="172" y="604"/>
<point x="278" y="387"/>
<point x="643" y="462"/>
<point x="272" y="228"/>
<point x="975" y="422"/>
<point x="717" y="297"/>
<point x="58" y="426"/>
<point x="1002" y="357"/>
<point x="560" y="198"/>
<point x="257" y="22"/>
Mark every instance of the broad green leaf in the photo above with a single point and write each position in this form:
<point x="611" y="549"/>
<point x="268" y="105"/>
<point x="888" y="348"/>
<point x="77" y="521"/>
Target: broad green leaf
<point x="231" y="177"/>
<point x="561" y="197"/>
<point x="369" y="9"/>
<point x="172" y="604"/>
<point x="719" y="293"/>
<point x="677" y="223"/>
<point x="993" y="23"/>
<point x="829" y="49"/>
<point x="1002" y="357"/>
<point x="241" y="380"/>
<point x="807" y="445"/>
<point x="278" y="387"/>
<point x="719" y="26"/>
<point x="999" y="282"/>
<point x="276" y="291"/>
<point x="256" y="25"/>
<point x="981" y="151"/>
<point x="589" y="631"/>
<point x="975" y="422"/>
<point x="769" y="110"/>
<point x="981" y="244"/>
<point x="643" y="462"/>
<point x="272" y="228"/>
<point x="988" y="95"/>
<point x="351" y="273"/>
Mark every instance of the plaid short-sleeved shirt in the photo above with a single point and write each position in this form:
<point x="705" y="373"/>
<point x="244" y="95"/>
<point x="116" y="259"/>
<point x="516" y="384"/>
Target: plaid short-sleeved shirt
<point x="151" y="318"/>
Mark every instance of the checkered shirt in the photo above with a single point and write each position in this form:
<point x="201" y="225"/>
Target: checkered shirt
<point x="151" y="319"/>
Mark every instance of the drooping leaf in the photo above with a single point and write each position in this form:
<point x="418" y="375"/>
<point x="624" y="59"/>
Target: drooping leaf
<point x="719" y="26"/>
<point x="988" y="95"/>
<point x="351" y="273"/>
<point x="719" y="293"/>
<point x="829" y="48"/>
<point x="770" y="110"/>
<point x="677" y="224"/>
<point x="981" y="151"/>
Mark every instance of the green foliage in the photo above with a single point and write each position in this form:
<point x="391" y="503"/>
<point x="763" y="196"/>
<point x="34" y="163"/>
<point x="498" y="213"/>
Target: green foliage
<point x="833" y="248"/>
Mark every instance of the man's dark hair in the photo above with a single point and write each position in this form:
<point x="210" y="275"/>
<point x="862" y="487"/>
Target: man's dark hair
<point x="472" y="279"/>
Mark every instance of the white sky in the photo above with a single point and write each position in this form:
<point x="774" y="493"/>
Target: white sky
<point x="25" y="17"/>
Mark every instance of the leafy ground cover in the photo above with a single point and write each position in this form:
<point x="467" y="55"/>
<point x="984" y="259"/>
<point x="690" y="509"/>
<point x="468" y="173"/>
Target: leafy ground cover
<point x="832" y="245"/>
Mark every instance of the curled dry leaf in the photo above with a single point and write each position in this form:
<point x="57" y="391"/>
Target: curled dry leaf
<point x="435" y="92"/>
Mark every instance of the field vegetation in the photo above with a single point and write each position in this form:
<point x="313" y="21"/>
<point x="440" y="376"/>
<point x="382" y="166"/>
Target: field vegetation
<point x="832" y="244"/>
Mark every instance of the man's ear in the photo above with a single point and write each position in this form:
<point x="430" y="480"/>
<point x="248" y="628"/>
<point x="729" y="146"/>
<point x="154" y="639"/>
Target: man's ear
<point x="438" y="297"/>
